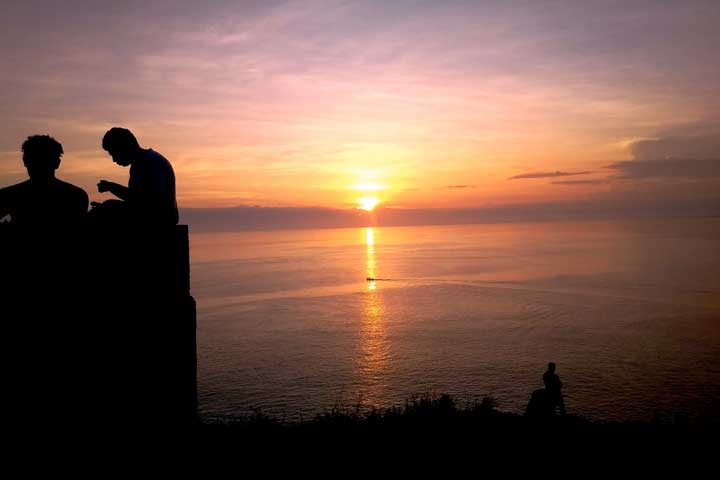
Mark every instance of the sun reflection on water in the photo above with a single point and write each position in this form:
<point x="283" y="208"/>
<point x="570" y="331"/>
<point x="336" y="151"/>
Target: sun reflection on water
<point x="370" y="264"/>
<point x="374" y="347"/>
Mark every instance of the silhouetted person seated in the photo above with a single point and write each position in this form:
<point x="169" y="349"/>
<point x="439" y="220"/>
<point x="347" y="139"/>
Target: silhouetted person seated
<point x="553" y="387"/>
<point x="43" y="200"/>
<point x="40" y="281"/>
<point x="149" y="197"/>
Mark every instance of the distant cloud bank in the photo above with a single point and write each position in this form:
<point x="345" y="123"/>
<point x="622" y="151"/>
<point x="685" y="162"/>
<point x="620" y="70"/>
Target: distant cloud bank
<point x="623" y="206"/>
<point x="690" y="154"/>
<point x="668" y="168"/>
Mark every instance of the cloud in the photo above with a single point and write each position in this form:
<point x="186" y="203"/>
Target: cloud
<point x="458" y="187"/>
<point x="632" y="203"/>
<point x="684" y="153"/>
<point x="582" y="182"/>
<point x="547" y="175"/>
<point x="689" y="146"/>
<point x="668" y="168"/>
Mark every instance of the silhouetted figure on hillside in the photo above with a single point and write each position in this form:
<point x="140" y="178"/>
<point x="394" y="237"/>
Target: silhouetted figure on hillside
<point x="553" y="387"/>
<point x="149" y="197"/>
<point x="43" y="200"/>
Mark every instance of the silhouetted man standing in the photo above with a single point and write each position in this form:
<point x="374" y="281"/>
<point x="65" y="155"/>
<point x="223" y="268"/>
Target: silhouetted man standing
<point x="43" y="200"/>
<point x="150" y="195"/>
<point x="553" y="387"/>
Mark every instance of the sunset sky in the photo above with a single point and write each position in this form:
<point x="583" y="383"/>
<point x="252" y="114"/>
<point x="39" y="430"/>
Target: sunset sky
<point x="415" y="104"/>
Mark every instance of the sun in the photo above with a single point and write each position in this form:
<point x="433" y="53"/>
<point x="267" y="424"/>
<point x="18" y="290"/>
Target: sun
<point x="368" y="203"/>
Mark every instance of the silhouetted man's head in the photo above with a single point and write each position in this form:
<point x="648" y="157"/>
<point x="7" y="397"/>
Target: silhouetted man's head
<point x="122" y="145"/>
<point x="551" y="367"/>
<point x="41" y="156"/>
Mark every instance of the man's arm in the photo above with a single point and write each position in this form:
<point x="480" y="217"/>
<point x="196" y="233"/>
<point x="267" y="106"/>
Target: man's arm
<point x="120" y="191"/>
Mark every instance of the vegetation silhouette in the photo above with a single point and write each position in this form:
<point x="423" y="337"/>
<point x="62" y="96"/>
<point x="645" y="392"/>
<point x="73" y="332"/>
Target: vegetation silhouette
<point x="436" y="421"/>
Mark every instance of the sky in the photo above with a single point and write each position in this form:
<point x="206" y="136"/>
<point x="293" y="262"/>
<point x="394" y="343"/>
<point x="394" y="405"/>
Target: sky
<point x="415" y="104"/>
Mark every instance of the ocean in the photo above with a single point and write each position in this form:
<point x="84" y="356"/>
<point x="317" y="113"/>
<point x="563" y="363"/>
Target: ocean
<point x="295" y="322"/>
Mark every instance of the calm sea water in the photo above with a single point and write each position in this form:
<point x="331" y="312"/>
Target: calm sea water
<point x="289" y="323"/>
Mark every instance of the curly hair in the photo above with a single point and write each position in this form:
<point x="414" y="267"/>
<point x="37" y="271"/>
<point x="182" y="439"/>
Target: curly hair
<point x="42" y="146"/>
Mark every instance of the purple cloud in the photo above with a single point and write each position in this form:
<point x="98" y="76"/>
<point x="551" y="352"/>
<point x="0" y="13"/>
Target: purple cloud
<point x="691" y="154"/>
<point x="668" y="168"/>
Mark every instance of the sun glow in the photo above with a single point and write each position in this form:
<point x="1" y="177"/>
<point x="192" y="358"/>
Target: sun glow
<point x="368" y="203"/>
<point x="368" y="187"/>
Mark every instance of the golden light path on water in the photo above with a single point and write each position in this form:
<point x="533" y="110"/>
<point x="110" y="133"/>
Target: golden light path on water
<point x="374" y="348"/>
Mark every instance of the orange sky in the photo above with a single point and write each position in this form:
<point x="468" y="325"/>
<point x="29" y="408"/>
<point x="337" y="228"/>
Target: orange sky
<point x="431" y="104"/>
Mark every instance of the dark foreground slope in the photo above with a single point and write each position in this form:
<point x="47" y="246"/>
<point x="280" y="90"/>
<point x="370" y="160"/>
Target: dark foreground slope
<point x="439" y="419"/>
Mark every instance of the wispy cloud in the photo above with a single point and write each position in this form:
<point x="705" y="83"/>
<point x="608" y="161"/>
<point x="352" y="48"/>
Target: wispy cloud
<point x="603" y="181"/>
<point x="547" y="175"/>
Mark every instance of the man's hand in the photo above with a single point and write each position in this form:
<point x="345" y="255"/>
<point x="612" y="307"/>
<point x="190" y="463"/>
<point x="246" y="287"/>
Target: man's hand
<point x="106" y="186"/>
<point x="116" y="189"/>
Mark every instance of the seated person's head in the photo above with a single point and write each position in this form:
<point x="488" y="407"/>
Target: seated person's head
<point x="41" y="156"/>
<point x="551" y="367"/>
<point x="121" y="144"/>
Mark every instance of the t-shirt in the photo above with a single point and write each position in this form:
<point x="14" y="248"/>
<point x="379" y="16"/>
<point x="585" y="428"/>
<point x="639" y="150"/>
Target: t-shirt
<point x="152" y="189"/>
<point x="51" y="202"/>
